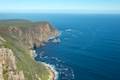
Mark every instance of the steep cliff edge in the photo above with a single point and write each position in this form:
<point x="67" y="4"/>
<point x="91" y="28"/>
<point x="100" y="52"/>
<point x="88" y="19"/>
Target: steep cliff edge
<point x="20" y="36"/>
<point x="29" y="33"/>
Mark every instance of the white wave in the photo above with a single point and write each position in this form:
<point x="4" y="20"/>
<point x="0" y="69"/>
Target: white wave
<point x="53" y="69"/>
<point x="56" y="40"/>
<point x="68" y="30"/>
<point x="60" y="33"/>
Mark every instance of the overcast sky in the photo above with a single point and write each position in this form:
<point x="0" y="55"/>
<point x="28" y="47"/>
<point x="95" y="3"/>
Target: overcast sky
<point x="76" y="6"/>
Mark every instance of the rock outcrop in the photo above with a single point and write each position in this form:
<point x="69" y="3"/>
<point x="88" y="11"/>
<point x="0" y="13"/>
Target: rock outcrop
<point x="8" y="69"/>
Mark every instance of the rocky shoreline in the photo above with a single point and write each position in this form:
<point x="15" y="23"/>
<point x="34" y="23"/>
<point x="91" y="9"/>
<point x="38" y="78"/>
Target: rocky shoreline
<point x="9" y="60"/>
<point x="53" y="73"/>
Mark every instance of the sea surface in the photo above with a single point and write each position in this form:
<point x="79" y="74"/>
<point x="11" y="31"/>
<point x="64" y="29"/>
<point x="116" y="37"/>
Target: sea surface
<point x="89" y="47"/>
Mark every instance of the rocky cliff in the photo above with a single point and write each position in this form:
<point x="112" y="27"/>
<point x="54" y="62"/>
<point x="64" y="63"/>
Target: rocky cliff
<point x="17" y="37"/>
<point x="8" y="68"/>
<point x="37" y="33"/>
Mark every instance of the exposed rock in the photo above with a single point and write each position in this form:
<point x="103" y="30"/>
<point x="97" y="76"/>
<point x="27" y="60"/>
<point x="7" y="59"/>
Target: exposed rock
<point x="8" y="66"/>
<point x="1" y="72"/>
<point x="56" y="40"/>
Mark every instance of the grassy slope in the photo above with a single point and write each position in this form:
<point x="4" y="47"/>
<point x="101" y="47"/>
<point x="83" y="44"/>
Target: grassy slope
<point x="24" y="60"/>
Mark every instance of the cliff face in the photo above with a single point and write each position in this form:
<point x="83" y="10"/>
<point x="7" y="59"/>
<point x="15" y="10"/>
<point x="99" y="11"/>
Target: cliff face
<point x="8" y="68"/>
<point x="36" y="34"/>
<point x="16" y="39"/>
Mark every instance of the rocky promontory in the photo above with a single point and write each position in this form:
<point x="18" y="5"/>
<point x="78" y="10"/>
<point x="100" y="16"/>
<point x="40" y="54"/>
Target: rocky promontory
<point x="17" y="38"/>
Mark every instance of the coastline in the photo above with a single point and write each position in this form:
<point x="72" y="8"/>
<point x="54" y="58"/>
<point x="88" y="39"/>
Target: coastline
<point x="53" y="73"/>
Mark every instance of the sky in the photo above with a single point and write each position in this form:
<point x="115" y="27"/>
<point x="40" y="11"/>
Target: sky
<point x="73" y="6"/>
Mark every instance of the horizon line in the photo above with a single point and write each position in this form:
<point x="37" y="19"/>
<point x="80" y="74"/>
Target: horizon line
<point x="65" y="11"/>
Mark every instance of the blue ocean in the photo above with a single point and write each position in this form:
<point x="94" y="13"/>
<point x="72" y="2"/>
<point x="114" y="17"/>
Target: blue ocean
<point x="89" y="47"/>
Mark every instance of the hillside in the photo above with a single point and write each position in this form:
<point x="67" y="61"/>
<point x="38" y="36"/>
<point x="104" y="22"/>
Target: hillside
<point x="19" y="37"/>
